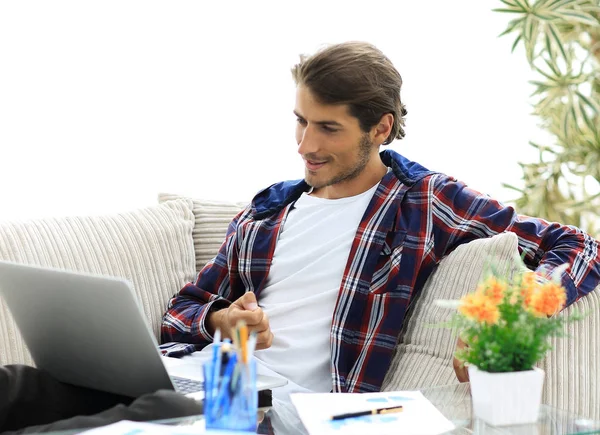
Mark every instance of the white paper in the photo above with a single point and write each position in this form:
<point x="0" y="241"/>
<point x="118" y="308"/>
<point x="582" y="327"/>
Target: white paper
<point x="126" y="427"/>
<point x="418" y="417"/>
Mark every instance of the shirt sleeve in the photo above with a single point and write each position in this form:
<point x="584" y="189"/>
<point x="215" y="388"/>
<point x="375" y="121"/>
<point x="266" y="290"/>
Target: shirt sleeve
<point x="461" y="214"/>
<point x="185" y="319"/>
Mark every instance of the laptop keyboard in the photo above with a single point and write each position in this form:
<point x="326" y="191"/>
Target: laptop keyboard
<point x="186" y="386"/>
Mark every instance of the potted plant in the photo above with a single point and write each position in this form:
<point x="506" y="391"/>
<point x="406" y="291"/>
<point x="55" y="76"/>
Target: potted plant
<point x="505" y="324"/>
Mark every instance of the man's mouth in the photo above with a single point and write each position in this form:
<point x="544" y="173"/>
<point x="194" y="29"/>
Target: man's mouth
<point x="314" y="165"/>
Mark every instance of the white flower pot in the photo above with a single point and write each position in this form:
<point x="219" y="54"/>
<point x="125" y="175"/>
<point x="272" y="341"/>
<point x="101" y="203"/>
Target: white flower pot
<point x="503" y="399"/>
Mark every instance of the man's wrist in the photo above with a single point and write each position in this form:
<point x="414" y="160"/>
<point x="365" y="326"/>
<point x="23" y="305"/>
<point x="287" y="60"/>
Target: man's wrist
<point x="213" y="321"/>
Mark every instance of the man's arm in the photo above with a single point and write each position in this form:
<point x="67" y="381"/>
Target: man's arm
<point x="189" y="317"/>
<point x="460" y="214"/>
<point x="213" y="301"/>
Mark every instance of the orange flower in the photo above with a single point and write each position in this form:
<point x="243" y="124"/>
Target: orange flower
<point x="548" y="299"/>
<point x="494" y="289"/>
<point x="477" y="306"/>
<point x="528" y="285"/>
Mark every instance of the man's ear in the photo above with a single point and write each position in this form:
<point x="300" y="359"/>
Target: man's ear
<point x="382" y="130"/>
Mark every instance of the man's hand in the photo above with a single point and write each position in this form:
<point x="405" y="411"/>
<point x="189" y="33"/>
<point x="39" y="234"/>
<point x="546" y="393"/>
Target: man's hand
<point x="245" y="308"/>
<point x="459" y="368"/>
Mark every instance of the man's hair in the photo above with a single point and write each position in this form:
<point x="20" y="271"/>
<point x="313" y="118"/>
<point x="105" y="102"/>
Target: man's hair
<point x="359" y="75"/>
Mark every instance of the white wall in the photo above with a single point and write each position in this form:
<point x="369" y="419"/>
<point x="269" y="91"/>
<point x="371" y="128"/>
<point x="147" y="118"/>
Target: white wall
<point x="105" y="103"/>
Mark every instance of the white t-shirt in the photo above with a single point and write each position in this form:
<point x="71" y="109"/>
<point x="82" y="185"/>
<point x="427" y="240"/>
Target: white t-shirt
<point x="303" y="283"/>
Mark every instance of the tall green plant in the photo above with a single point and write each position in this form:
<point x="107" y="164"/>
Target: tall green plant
<point x="562" y="44"/>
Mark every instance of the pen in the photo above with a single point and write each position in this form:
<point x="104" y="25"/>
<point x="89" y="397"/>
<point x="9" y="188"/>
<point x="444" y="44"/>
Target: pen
<point x="223" y="399"/>
<point x="252" y="343"/>
<point x="213" y="384"/>
<point x="390" y="410"/>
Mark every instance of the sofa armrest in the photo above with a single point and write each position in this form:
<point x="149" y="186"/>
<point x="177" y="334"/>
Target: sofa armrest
<point x="573" y="366"/>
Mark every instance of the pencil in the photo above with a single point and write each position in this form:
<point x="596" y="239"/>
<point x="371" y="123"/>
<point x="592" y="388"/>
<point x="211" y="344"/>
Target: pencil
<point x="243" y="328"/>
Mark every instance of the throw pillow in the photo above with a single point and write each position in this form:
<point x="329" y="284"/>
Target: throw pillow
<point x="151" y="247"/>
<point x="423" y="356"/>
<point x="212" y="220"/>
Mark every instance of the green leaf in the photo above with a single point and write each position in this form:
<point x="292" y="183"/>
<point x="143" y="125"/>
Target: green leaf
<point x="555" y="36"/>
<point x="586" y="119"/>
<point x="595" y="9"/>
<point x="554" y="79"/>
<point x="553" y="68"/>
<point x="543" y="16"/>
<point x="535" y="145"/>
<point x="521" y="5"/>
<point x="511" y="187"/>
<point x="565" y="123"/>
<point x="576" y="115"/>
<point x="549" y="47"/>
<point x="540" y="88"/>
<point x="546" y="16"/>
<point x="580" y="17"/>
<point x="592" y="105"/>
<point x="512" y="25"/>
<point x="559" y="4"/>
<point x="530" y="35"/>
<point x="541" y="85"/>
<point x="517" y="39"/>
<point x="510" y="3"/>
<point x="528" y="28"/>
<point x="508" y="11"/>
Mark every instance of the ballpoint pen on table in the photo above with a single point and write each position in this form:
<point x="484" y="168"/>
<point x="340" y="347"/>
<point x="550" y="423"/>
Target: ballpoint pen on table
<point x="390" y="410"/>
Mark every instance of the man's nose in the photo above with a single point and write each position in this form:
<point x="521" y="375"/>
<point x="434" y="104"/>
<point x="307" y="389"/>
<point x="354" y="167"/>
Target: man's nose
<point x="307" y="142"/>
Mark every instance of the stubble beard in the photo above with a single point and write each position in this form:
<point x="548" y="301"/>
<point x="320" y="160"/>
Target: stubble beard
<point x="364" y="155"/>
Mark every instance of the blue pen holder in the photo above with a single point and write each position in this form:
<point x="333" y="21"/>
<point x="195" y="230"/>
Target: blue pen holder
<point x="231" y="399"/>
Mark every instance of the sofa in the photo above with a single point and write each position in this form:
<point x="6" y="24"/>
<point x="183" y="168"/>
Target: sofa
<point x="161" y="247"/>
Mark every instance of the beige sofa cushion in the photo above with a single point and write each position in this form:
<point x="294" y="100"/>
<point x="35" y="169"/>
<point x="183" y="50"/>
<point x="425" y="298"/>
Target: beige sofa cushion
<point x="212" y="220"/>
<point x="423" y="357"/>
<point x="573" y="367"/>
<point x="424" y="353"/>
<point x="152" y="247"/>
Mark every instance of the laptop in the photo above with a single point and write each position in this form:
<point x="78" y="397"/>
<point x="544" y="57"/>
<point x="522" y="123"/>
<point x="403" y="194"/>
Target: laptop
<point x="90" y="331"/>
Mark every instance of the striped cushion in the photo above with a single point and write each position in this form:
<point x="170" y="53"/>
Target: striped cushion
<point x="423" y="357"/>
<point x="424" y="354"/>
<point x="573" y="366"/>
<point x="152" y="247"/>
<point x="212" y="220"/>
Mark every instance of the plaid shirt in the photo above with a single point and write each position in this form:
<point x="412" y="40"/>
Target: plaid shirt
<point x="414" y="219"/>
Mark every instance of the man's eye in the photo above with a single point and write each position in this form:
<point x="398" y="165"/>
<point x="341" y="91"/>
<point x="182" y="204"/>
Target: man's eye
<point x="301" y="121"/>
<point x="328" y="129"/>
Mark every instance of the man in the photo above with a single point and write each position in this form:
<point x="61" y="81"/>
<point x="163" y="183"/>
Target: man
<point x="325" y="268"/>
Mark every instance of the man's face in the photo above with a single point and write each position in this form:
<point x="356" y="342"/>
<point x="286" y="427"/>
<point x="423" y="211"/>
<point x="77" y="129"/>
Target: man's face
<point x="334" y="148"/>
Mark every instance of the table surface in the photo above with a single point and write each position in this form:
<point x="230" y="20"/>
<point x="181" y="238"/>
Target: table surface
<point x="454" y="402"/>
